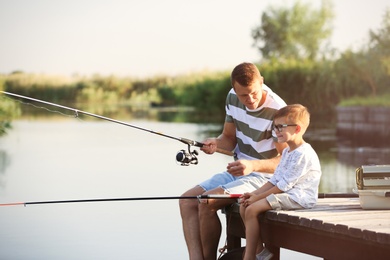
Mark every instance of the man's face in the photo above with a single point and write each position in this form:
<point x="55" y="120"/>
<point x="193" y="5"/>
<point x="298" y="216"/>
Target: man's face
<point x="250" y="95"/>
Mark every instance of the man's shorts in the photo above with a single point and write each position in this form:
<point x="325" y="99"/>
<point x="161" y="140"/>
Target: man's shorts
<point x="282" y="201"/>
<point x="236" y="185"/>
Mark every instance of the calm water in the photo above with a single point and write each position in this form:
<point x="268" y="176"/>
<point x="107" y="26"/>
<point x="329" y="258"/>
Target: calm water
<point x="71" y="159"/>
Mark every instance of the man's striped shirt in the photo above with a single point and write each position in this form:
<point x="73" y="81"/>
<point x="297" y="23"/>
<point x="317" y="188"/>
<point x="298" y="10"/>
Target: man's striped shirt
<point x="253" y="127"/>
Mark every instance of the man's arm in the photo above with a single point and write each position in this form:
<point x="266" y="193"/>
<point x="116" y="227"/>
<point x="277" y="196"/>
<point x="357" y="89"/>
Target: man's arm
<point x="269" y="165"/>
<point x="265" y="165"/>
<point x="226" y="140"/>
<point x="244" y="167"/>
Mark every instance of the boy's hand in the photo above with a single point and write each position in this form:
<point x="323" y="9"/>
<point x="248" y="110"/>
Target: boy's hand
<point x="244" y="197"/>
<point x="248" y="198"/>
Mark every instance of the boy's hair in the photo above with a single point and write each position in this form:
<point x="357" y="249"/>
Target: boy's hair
<point x="245" y="74"/>
<point x="295" y="114"/>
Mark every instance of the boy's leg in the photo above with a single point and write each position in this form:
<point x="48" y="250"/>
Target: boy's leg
<point x="254" y="243"/>
<point x="242" y="212"/>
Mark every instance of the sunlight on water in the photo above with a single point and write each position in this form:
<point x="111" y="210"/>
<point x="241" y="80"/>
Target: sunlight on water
<point x="71" y="159"/>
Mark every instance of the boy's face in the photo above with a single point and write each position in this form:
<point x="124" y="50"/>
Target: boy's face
<point x="251" y="95"/>
<point x="284" y="131"/>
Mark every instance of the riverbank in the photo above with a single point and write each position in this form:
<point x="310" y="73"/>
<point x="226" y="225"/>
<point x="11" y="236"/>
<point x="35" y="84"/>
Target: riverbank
<point x="365" y="125"/>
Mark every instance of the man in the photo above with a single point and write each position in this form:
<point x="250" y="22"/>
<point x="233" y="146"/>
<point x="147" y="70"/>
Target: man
<point x="250" y="106"/>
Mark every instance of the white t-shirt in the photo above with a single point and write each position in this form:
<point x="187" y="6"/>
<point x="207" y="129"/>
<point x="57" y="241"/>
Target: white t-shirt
<point x="298" y="174"/>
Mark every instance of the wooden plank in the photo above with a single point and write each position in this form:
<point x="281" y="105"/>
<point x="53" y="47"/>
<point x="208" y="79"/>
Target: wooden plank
<point x="337" y="223"/>
<point x="347" y="224"/>
<point x="320" y="243"/>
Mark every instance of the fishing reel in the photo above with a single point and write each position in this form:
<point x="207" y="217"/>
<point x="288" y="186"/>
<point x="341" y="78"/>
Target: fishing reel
<point x="185" y="158"/>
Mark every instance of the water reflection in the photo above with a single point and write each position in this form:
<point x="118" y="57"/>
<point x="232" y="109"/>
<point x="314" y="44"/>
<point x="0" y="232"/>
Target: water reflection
<point x="44" y="159"/>
<point x="4" y="162"/>
<point x="363" y="155"/>
<point x="165" y="114"/>
<point x="339" y="156"/>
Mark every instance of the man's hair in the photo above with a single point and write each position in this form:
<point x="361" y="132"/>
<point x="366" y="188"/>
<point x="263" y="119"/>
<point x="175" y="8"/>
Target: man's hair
<point x="295" y="114"/>
<point x="245" y="74"/>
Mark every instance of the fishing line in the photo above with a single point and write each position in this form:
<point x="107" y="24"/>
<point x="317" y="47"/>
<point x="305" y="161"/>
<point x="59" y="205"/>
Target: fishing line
<point x="44" y="108"/>
<point x="184" y="157"/>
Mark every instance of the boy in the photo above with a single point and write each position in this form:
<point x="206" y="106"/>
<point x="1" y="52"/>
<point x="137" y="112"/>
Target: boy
<point x="294" y="184"/>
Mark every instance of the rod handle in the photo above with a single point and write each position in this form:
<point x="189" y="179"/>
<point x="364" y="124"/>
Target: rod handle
<point x="226" y="152"/>
<point x="199" y="144"/>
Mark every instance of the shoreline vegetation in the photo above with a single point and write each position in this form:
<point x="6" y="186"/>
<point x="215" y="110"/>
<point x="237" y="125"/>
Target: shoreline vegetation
<point x="321" y="86"/>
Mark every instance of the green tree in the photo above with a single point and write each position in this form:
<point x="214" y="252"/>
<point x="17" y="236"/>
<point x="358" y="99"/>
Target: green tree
<point x="8" y="109"/>
<point x="380" y="49"/>
<point x="295" y="32"/>
<point x="381" y="39"/>
<point x="369" y="67"/>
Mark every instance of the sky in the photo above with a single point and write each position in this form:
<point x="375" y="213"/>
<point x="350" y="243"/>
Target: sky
<point x="151" y="37"/>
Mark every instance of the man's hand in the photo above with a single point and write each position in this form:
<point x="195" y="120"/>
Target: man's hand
<point x="209" y="146"/>
<point x="240" y="167"/>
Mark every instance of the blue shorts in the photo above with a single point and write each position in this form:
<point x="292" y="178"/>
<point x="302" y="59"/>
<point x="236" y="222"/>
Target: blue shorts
<point x="236" y="185"/>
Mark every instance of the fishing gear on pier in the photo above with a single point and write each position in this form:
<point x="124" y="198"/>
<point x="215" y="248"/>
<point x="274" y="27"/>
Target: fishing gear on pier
<point x="199" y="197"/>
<point x="184" y="157"/>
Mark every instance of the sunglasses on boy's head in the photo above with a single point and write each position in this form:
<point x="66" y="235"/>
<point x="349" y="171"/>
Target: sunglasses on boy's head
<point x="281" y="126"/>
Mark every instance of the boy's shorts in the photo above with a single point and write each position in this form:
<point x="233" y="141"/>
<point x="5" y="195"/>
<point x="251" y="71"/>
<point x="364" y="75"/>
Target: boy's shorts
<point x="282" y="201"/>
<point x="236" y="185"/>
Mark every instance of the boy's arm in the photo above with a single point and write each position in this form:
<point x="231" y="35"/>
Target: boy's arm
<point x="264" y="188"/>
<point x="273" y="190"/>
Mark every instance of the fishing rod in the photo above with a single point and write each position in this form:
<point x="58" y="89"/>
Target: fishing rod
<point x="199" y="197"/>
<point x="184" y="157"/>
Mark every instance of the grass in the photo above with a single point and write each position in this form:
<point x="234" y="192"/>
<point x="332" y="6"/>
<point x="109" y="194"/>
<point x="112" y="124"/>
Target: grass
<point x="378" y="101"/>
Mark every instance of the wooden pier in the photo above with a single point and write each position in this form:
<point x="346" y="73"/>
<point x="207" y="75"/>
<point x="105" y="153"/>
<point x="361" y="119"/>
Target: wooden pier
<point x="336" y="228"/>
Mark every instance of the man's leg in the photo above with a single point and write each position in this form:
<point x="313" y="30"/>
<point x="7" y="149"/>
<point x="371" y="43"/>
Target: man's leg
<point x="190" y="220"/>
<point x="210" y="225"/>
